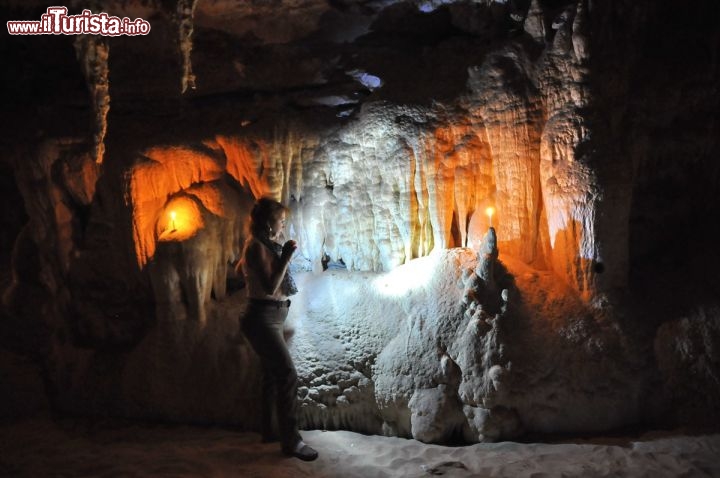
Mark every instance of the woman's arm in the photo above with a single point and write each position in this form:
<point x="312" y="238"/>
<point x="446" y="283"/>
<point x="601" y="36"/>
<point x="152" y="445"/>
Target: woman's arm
<point x="269" y="269"/>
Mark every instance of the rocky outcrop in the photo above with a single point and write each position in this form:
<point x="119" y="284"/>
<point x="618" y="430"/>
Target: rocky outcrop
<point x="687" y="351"/>
<point x="453" y="354"/>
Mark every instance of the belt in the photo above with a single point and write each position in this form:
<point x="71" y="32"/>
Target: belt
<point x="270" y="302"/>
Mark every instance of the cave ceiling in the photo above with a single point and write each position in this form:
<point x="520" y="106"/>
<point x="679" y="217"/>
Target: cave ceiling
<point x="309" y="52"/>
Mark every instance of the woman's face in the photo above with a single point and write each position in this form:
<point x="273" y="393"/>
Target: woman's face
<point x="277" y="225"/>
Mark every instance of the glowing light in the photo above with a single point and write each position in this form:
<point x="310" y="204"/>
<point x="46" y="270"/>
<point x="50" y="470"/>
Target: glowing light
<point x="180" y="220"/>
<point x="407" y="278"/>
<point x="490" y="211"/>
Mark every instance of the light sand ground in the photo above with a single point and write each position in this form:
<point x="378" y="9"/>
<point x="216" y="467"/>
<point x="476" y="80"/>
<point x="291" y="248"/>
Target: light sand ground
<point x="46" y="448"/>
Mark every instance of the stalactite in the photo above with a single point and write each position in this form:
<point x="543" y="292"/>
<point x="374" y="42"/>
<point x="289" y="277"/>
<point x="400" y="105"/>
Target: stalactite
<point x="571" y="192"/>
<point x="534" y="22"/>
<point x="580" y="33"/>
<point x="92" y="52"/>
<point x="185" y="14"/>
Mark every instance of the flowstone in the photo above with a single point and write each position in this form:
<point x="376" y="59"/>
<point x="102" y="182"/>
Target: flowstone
<point x="454" y="345"/>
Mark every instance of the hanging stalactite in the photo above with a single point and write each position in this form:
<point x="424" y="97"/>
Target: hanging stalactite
<point x="185" y="14"/>
<point x="93" y="52"/>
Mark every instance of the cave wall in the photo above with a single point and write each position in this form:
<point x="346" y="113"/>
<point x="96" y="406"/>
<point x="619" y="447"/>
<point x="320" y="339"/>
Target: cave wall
<point x="388" y="130"/>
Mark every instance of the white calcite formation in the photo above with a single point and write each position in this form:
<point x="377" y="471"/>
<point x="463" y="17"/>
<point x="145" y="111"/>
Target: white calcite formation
<point x="416" y="338"/>
<point x="397" y="181"/>
<point x="454" y="345"/>
<point x="433" y="322"/>
<point x="441" y="348"/>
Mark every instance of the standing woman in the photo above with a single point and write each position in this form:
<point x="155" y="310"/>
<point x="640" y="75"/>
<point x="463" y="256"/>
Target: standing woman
<point x="265" y="266"/>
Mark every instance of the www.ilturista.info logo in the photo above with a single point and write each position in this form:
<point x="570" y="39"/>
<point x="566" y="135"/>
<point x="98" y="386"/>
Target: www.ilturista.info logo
<point x="57" y="22"/>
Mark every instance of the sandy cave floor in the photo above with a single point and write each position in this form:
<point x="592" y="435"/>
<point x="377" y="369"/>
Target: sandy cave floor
<point x="42" y="447"/>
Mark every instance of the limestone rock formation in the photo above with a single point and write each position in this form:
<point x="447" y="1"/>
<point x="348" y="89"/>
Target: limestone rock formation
<point x="433" y="365"/>
<point x="686" y="351"/>
<point x="93" y="54"/>
<point x="388" y="128"/>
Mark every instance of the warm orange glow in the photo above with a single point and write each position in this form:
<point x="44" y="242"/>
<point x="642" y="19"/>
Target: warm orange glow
<point x="490" y="211"/>
<point x="158" y="174"/>
<point x="244" y="161"/>
<point x="162" y="172"/>
<point x="181" y="222"/>
<point x="459" y="179"/>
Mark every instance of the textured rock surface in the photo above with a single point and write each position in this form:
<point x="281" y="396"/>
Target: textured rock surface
<point x="388" y="128"/>
<point x="687" y="352"/>
<point x="408" y="353"/>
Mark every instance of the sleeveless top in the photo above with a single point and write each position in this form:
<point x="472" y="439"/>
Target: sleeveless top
<point x="254" y="284"/>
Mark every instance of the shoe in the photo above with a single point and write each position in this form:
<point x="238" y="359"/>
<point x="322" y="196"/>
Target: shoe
<point x="302" y="451"/>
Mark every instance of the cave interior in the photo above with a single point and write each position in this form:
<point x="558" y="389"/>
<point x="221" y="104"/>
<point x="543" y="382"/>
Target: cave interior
<point x="588" y="301"/>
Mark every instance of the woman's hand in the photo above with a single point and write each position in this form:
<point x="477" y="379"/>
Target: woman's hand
<point x="288" y="250"/>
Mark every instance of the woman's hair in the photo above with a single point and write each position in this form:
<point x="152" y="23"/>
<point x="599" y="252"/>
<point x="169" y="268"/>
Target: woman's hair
<point x="265" y="210"/>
